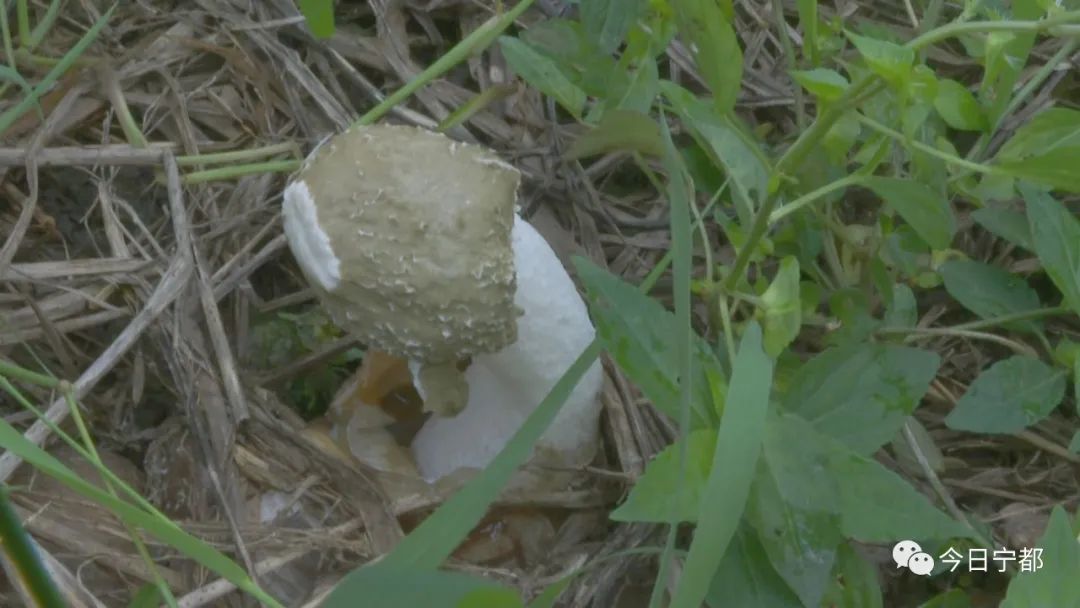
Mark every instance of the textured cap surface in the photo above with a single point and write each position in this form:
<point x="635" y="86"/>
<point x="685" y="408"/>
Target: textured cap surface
<point x="418" y="226"/>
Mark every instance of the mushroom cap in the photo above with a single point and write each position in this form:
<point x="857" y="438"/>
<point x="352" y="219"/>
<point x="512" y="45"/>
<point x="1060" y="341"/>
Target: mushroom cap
<point x="404" y="235"/>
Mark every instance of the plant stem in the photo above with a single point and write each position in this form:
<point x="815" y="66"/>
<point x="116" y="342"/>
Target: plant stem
<point x="811" y="197"/>
<point x="932" y="151"/>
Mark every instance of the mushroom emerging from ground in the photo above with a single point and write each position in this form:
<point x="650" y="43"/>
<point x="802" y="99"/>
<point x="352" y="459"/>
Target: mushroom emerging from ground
<point x="413" y="244"/>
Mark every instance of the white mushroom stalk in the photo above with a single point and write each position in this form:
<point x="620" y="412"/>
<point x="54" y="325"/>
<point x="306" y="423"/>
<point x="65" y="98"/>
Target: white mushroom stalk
<point x="412" y="243"/>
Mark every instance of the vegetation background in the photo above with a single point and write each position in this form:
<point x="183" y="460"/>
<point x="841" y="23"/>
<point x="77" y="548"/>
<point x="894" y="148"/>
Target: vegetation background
<point x="831" y="249"/>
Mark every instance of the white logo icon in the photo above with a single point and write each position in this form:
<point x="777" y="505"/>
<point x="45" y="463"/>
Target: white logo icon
<point x="908" y="554"/>
<point x="903" y="550"/>
<point x="921" y="564"/>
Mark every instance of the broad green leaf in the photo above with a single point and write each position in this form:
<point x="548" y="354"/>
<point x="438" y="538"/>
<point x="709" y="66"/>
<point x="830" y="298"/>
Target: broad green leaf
<point x="1008" y="397"/>
<point x="550" y="595"/>
<point x="801" y="544"/>
<point x="782" y="309"/>
<point x="990" y="292"/>
<point x="1055" y="583"/>
<point x="656" y="498"/>
<point x="746" y="578"/>
<point x="890" y="61"/>
<point x="718" y="55"/>
<point x="825" y="84"/>
<point x="958" y="107"/>
<point x="841" y="137"/>
<point x="1006" y="55"/>
<point x="148" y="596"/>
<point x="954" y="598"/>
<point x="638" y="81"/>
<point x="926" y="211"/>
<point x="738" y="445"/>
<point x="903" y="311"/>
<point x="855" y="582"/>
<point x="1048" y="131"/>
<point x="638" y="334"/>
<point x="798" y="459"/>
<point x="905" y="454"/>
<point x="861" y="394"/>
<point x="1056" y="236"/>
<point x="878" y="506"/>
<point x="731" y="145"/>
<point x="608" y="21"/>
<point x="392" y="586"/>
<point x="1010" y="225"/>
<point x="543" y="73"/>
<point x="319" y="15"/>
<point x="619" y="130"/>
<point x="1045" y="149"/>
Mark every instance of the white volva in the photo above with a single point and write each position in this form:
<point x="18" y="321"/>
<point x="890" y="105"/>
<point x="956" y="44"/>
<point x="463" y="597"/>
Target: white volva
<point x="309" y="243"/>
<point x="506" y="386"/>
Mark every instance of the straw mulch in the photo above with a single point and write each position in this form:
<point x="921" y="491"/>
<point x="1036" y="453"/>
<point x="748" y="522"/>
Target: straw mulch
<point x="138" y="278"/>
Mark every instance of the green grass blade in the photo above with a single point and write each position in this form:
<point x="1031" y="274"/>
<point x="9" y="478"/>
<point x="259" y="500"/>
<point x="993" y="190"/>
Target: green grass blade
<point x="738" y="446"/>
<point x="15" y="112"/>
<point x="44" y="25"/>
<point x="23" y="557"/>
<point x="478" y="40"/>
<point x="156" y="525"/>
<point x="679" y="191"/>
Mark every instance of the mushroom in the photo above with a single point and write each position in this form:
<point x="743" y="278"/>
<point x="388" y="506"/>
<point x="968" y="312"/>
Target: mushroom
<point x="413" y="244"/>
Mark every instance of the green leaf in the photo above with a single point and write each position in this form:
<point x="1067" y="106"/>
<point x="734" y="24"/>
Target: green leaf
<point x="1006" y="55"/>
<point x="384" y="585"/>
<point x="798" y="459"/>
<point x="808" y="22"/>
<point x="782" y="308"/>
<point x="718" y="55"/>
<point x="903" y="311"/>
<point x="855" y="582"/>
<point x="825" y="84"/>
<point x="656" y="498"/>
<point x="619" y="130"/>
<point x="319" y="15"/>
<point x="148" y="596"/>
<point x="738" y="445"/>
<point x="1048" y="131"/>
<point x="1055" y="583"/>
<point x="954" y="598"/>
<point x="890" y="61"/>
<point x="1045" y="150"/>
<point x="746" y="578"/>
<point x="926" y="211"/>
<point x="990" y="292"/>
<point x="1007" y="224"/>
<point x="878" y="506"/>
<point x="801" y="544"/>
<point x="544" y="74"/>
<point x="639" y="334"/>
<point x="958" y="107"/>
<point x="1056" y="236"/>
<point x="732" y="146"/>
<point x="861" y="394"/>
<point x="1008" y="397"/>
<point x="608" y="21"/>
